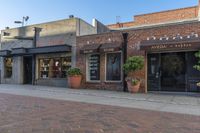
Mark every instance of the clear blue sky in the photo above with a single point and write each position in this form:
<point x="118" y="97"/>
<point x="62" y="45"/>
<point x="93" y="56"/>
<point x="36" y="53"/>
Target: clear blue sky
<point x="104" y="10"/>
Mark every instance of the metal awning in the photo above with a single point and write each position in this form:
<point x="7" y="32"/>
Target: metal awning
<point x="49" y="49"/>
<point x="110" y="47"/>
<point x="93" y="48"/>
<point x="19" y="51"/>
<point x="37" y="50"/>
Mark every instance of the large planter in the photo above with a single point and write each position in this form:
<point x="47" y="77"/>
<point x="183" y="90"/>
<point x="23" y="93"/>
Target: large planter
<point x="74" y="81"/>
<point x="133" y="88"/>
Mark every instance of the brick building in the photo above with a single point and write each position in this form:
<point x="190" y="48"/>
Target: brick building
<point x="170" y="16"/>
<point x="167" y="40"/>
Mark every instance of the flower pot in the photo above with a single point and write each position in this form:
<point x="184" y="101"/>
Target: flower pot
<point x="133" y="88"/>
<point x="74" y="81"/>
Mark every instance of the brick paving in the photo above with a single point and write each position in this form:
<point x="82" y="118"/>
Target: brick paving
<point x="22" y="114"/>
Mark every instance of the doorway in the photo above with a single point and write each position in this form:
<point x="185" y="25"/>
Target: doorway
<point x="173" y="72"/>
<point x="167" y="72"/>
<point x="28" y="70"/>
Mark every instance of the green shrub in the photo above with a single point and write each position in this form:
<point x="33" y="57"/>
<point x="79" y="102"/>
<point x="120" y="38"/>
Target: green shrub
<point x="133" y="64"/>
<point x="197" y="66"/>
<point x="73" y="71"/>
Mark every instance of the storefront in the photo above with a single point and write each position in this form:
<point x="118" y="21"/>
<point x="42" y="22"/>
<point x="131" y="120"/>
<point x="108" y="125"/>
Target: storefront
<point x="51" y="69"/>
<point x="170" y="64"/>
<point x="103" y="65"/>
<point x="40" y="66"/>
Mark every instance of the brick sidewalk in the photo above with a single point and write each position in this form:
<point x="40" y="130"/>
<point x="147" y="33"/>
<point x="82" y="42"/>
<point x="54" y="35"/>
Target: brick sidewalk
<point x="183" y="104"/>
<point x="21" y="114"/>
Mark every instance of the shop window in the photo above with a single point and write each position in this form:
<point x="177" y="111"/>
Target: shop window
<point x="44" y="68"/>
<point x="8" y="67"/>
<point x="54" y="67"/>
<point x="113" y="67"/>
<point x="93" y="67"/>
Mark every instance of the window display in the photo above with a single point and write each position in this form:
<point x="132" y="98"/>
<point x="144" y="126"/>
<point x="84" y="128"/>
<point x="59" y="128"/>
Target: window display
<point x="44" y="68"/>
<point x="113" y="67"/>
<point x="8" y="67"/>
<point x="54" y="67"/>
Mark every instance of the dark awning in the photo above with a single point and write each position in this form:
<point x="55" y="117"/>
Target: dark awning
<point x="4" y="53"/>
<point x="19" y="51"/>
<point x="37" y="50"/>
<point x="93" y="48"/>
<point x="110" y="47"/>
<point x="49" y="49"/>
<point x="171" y="44"/>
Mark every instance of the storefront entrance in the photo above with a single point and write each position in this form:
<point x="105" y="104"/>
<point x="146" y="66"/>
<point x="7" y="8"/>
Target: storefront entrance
<point x="28" y="70"/>
<point x="172" y="72"/>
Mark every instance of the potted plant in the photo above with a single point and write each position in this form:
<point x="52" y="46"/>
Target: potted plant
<point x="133" y="64"/>
<point x="74" y="78"/>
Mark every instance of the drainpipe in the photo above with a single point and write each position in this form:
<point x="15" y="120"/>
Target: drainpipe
<point x="35" y="39"/>
<point x="124" y="50"/>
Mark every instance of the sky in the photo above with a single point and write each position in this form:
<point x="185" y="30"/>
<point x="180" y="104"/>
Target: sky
<point x="105" y="11"/>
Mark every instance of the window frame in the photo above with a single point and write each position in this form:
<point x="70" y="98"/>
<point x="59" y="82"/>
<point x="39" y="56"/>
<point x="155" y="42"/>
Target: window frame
<point x="121" y="78"/>
<point x="87" y="68"/>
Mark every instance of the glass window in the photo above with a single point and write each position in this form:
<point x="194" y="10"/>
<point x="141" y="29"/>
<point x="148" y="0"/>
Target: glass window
<point x="65" y="65"/>
<point x="8" y="67"/>
<point x="93" y="67"/>
<point x="44" y="68"/>
<point x="54" y="67"/>
<point x="113" y="67"/>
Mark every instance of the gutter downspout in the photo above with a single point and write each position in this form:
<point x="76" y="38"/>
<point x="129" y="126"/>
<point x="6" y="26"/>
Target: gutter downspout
<point x="124" y="49"/>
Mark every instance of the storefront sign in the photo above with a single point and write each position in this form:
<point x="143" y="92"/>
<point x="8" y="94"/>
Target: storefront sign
<point x="171" y="46"/>
<point x="109" y="50"/>
<point x="88" y="51"/>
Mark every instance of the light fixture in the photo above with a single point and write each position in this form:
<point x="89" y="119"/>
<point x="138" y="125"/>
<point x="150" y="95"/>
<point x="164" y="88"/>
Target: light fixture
<point x="24" y="19"/>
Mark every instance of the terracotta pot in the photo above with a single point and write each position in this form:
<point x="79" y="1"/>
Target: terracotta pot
<point x="74" y="81"/>
<point x="133" y="88"/>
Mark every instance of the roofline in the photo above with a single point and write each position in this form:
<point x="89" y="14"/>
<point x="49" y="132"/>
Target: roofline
<point x="32" y="25"/>
<point x="195" y="20"/>
<point x="145" y="14"/>
<point x="158" y="24"/>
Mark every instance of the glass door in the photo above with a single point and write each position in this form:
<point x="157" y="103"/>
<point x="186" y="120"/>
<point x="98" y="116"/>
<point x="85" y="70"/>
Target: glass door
<point x="173" y="72"/>
<point x="153" y="72"/>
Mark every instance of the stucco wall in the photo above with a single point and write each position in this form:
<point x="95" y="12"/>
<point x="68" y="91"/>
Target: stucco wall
<point x="17" y="72"/>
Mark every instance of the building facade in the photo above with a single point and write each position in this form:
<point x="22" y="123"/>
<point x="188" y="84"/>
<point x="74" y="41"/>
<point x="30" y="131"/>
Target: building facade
<point x="167" y="45"/>
<point x="41" y="54"/>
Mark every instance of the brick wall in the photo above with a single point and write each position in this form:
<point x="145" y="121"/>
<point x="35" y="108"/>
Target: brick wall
<point x="160" y="17"/>
<point x="81" y="59"/>
<point x="134" y="39"/>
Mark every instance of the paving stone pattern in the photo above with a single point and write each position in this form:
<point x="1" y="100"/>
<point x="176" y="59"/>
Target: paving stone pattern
<point x="24" y="114"/>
